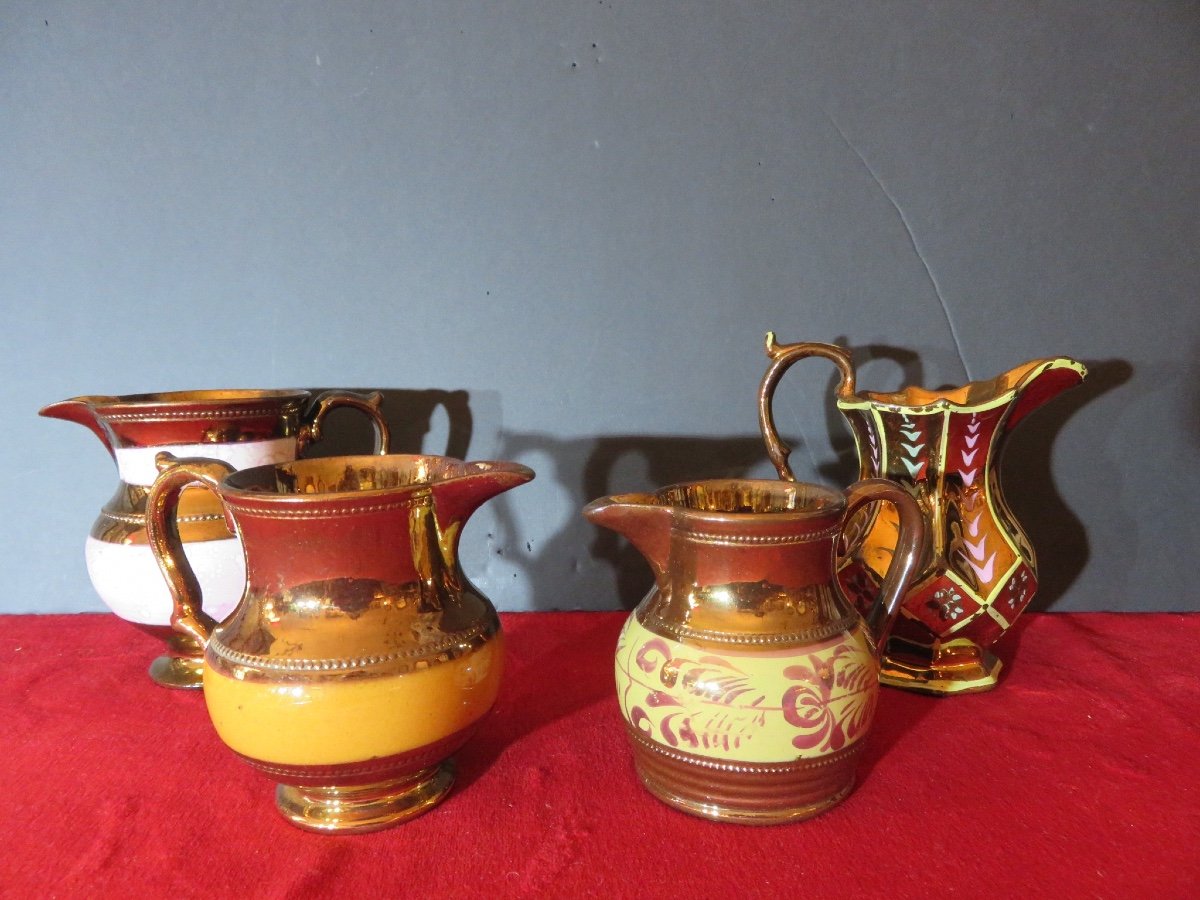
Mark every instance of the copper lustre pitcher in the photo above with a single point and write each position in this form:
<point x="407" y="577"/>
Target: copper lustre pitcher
<point x="746" y="680"/>
<point x="243" y="428"/>
<point x="360" y="657"/>
<point x="979" y="571"/>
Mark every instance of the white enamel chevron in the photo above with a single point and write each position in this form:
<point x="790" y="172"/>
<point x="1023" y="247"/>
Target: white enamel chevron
<point x="912" y="449"/>
<point x="976" y="548"/>
<point x="972" y="439"/>
<point x="973" y="525"/>
<point x="973" y="427"/>
<point x="968" y="476"/>
<point x="913" y="468"/>
<point x="969" y="458"/>
<point x="983" y="571"/>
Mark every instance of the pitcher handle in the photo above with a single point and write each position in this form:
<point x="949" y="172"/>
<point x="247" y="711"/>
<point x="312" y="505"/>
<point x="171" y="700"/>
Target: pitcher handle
<point x="310" y="432"/>
<point x="909" y="546"/>
<point x="783" y="356"/>
<point x="162" y="530"/>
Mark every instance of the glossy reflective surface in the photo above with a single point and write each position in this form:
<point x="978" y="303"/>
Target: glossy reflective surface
<point x="241" y="427"/>
<point x="979" y="570"/>
<point x="746" y="681"/>
<point x="360" y="657"/>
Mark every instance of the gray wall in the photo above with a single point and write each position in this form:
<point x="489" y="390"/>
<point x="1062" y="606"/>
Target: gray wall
<point x="557" y="231"/>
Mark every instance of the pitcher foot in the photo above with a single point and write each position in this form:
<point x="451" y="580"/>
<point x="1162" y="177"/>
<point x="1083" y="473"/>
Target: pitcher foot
<point x="183" y="666"/>
<point x="954" y="667"/>
<point x="366" y="807"/>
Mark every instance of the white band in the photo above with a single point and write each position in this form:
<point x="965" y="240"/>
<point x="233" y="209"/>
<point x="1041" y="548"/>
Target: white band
<point x="136" y="464"/>
<point x="128" y="580"/>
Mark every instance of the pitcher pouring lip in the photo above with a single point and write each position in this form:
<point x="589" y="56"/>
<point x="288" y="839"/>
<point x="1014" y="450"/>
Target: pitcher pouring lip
<point x="178" y="417"/>
<point x="81" y="411"/>
<point x="460" y="486"/>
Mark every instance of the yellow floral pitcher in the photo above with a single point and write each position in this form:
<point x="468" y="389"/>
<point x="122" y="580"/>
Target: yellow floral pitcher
<point x="746" y="680"/>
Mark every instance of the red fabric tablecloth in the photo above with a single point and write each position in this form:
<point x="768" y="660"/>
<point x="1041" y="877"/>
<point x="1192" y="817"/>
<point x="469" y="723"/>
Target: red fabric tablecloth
<point x="1075" y="778"/>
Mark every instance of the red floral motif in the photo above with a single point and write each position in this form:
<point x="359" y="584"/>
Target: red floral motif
<point x="702" y="683"/>
<point x="708" y="704"/>
<point x="833" y="704"/>
<point x="646" y="655"/>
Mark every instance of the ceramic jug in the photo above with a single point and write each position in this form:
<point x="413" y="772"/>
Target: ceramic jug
<point x="979" y="571"/>
<point x="746" y="680"/>
<point x="243" y="428"/>
<point x="359" y="658"/>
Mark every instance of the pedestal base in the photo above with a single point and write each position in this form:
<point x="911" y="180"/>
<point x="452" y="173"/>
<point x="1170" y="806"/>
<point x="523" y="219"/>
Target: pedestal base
<point x="955" y="667"/>
<point x="182" y="668"/>
<point x="365" y="807"/>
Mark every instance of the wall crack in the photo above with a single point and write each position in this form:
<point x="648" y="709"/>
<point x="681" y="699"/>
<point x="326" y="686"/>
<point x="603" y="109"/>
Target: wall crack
<point x="912" y="238"/>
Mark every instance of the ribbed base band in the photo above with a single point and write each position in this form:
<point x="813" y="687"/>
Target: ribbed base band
<point x="749" y="793"/>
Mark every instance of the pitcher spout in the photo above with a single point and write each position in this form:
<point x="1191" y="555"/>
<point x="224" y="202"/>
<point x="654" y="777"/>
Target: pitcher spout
<point x="460" y="495"/>
<point x="82" y="411"/>
<point x="643" y="522"/>
<point x="1039" y="381"/>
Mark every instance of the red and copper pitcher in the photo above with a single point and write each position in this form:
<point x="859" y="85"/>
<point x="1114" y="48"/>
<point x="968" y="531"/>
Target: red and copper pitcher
<point x="359" y="658"/>
<point x="746" y="680"/>
<point x="242" y="428"/>
<point x="944" y="447"/>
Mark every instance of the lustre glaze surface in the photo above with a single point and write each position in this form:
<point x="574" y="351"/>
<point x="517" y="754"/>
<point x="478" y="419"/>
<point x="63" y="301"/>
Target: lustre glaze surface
<point x="979" y="571"/>
<point x="746" y="680"/>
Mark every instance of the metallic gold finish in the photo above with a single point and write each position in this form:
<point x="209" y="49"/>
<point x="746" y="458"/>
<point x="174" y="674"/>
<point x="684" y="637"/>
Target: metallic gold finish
<point x="360" y="658"/>
<point x="242" y="426"/>
<point x="183" y="665"/>
<point x="746" y="680"/>
<point x="369" y="807"/>
<point x="979" y="571"/>
<point x="745" y="794"/>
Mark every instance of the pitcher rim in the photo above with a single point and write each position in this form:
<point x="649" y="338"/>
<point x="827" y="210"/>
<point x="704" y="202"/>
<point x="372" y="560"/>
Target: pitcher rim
<point x="231" y="488"/>
<point x="993" y="391"/>
<point x="835" y="500"/>
<point x="200" y="397"/>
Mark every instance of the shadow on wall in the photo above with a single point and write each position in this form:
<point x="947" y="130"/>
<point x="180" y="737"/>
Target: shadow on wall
<point x="1058" y="536"/>
<point x="579" y="563"/>
<point x="573" y="564"/>
<point x="410" y="418"/>
<point x="563" y="562"/>
<point x="844" y="469"/>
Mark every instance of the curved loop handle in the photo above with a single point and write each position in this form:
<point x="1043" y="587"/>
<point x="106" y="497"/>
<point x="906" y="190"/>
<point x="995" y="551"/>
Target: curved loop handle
<point x="783" y="356"/>
<point x="310" y="431"/>
<point x="909" y="546"/>
<point x="162" y="530"/>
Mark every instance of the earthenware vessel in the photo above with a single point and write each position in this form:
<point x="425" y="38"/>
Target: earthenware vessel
<point x="360" y="658"/>
<point x="243" y="428"/>
<point x="746" y="680"/>
<point x="979" y="571"/>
